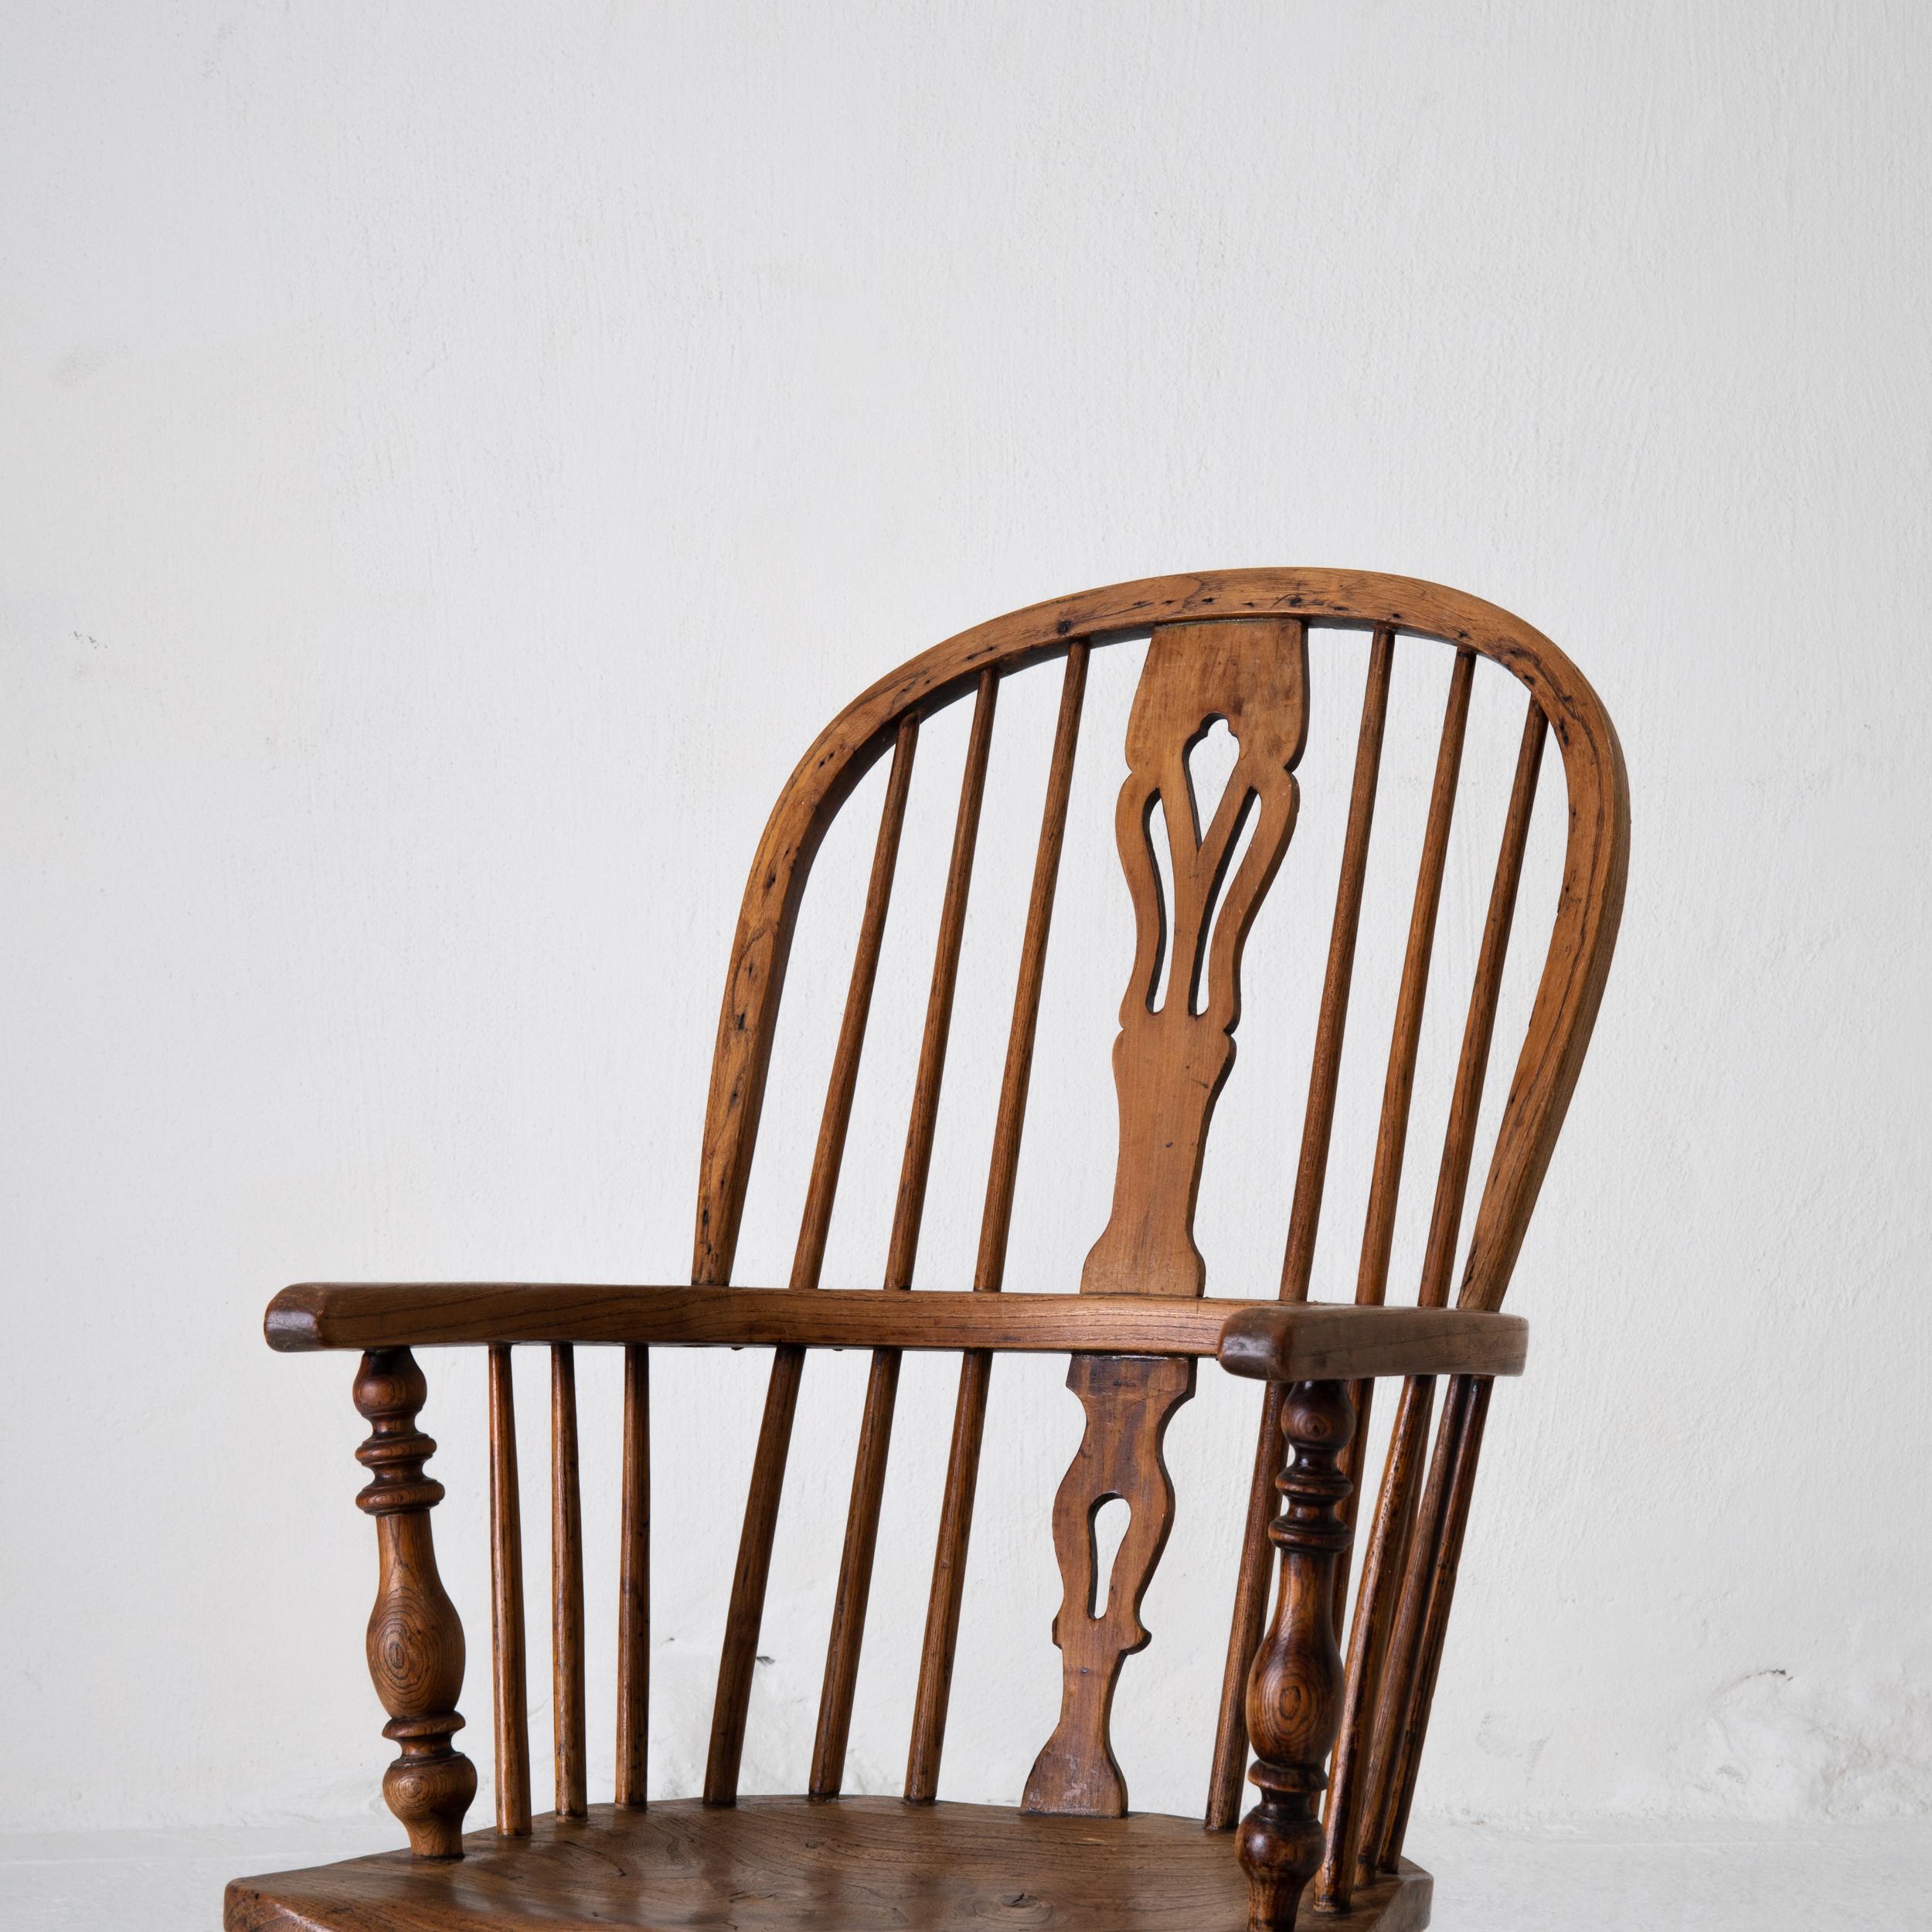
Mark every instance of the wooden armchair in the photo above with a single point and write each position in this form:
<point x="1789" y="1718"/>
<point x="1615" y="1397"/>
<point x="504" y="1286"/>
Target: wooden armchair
<point x="1230" y="646"/>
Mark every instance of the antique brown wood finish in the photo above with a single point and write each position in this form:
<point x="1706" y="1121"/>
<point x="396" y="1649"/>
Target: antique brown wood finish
<point x="882" y="1388"/>
<point x="1305" y="1340"/>
<point x="1318" y="1128"/>
<point x="1295" y="1693"/>
<point x="567" y="1588"/>
<point x="634" y="1582"/>
<point x="508" y="1678"/>
<point x="781" y="1396"/>
<point x="975" y="1368"/>
<point x="415" y="1642"/>
<point x="1129" y="1400"/>
<point x="777" y="1864"/>
<point x="1228" y="647"/>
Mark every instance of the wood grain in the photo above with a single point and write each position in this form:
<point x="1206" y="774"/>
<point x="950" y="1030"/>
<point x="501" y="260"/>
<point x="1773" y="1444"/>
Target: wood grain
<point x="566" y="1588"/>
<point x="1282" y="1341"/>
<point x="1398" y="1091"/>
<point x="1368" y="1637"/>
<point x="508" y="1668"/>
<point x="415" y="1639"/>
<point x="1472" y="1064"/>
<point x="881" y="1383"/>
<point x="1227" y="644"/>
<point x="1129" y="1400"/>
<point x="1314" y="1341"/>
<point x="634" y="1585"/>
<point x="1294" y="1690"/>
<point x="942" y="1637"/>
<point x="1331" y="1018"/>
<point x="1570" y="991"/>
<point x="1465" y="1413"/>
<point x="777" y="1865"/>
<point x="752" y="1572"/>
<point x="1174" y="1052"/>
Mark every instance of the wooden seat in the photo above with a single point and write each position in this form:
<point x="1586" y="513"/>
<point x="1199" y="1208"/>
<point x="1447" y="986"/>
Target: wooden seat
<point x="772" y="1864"/>
<point x="1332" y="1744"/>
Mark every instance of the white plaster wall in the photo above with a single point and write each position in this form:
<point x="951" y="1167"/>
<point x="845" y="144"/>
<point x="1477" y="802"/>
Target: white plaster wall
<point x="453" y="458"/>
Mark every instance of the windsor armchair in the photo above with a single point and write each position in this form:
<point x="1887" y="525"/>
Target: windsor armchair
<point x="1230" y="646"/>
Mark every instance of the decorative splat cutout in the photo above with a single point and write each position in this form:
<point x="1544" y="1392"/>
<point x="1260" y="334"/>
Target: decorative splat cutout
<point x="1129" y="1401"/>
<point x="1193" y="905"/>
<point x="1176" y="1041"/>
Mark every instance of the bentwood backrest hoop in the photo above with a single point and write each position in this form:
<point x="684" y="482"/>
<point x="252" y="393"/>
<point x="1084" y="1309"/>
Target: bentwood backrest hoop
<point x="1581" y="939"/>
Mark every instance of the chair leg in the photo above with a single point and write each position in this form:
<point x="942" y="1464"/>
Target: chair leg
<point x="415" y="1636"/>
<point x="1295" y="1689"/>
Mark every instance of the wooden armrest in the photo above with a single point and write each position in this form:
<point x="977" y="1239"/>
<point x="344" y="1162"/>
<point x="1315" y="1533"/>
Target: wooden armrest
<point x="1283" y="1341"/>
<point x="322" y="1314"/>
<point x="1327" y="1342"/>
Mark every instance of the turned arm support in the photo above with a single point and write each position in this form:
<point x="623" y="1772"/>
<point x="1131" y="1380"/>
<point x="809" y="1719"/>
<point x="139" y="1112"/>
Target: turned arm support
<point x="1282" y="1341"/>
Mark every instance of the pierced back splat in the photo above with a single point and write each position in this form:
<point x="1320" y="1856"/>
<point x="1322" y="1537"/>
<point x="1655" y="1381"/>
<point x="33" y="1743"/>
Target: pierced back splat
<point x="1170" y="1062"/>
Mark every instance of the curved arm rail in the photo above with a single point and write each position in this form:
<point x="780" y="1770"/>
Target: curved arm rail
<point x="1287" y="1342"/>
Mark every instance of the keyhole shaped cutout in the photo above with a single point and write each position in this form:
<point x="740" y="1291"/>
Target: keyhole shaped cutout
<point x="1107" y="1526"/>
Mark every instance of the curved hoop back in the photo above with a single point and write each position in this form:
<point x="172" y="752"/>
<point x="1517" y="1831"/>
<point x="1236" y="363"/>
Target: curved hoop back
<point x="1224" y="648"/>
<point x="1582" y="939"/>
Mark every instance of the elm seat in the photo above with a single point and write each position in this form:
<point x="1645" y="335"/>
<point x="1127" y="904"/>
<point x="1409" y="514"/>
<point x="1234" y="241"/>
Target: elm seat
<point x="770" y="1864"/>
<point x="1332" y="1743"/>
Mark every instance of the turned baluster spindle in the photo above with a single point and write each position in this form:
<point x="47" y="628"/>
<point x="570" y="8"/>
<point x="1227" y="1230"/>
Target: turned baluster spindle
<point x="415" y="1636"/>
<point x="1294" y="1691"/>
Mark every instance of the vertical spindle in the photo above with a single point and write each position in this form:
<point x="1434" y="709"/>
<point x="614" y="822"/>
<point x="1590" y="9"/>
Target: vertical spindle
<point x="567" y="1588"/>
<point x="882" y="1386"/>
<point x="941" y="1639"/>
<point x="634" y="1583"/>
<point x="752" y="1575"/>
<point x="508" y="1679"/>
<point x="1317" y="1124"/>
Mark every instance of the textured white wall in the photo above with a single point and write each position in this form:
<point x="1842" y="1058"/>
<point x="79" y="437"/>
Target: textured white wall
<point x="456" y="456"/>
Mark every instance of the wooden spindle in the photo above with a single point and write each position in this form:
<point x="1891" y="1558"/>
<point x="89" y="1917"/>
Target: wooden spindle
<point x="881" y="1387"/>
<point x="1368" y="1637"/>
<point x="1324" y="1072"/>
<point x="567" y="1588"/>
<point x="829" y="1157"/>
<point x="1389" y="1543"/>
<point x="1402" y="1647"/>
<point x="508" y="1680"/>
<point x="1398" y="1092"/>
<point x="1317" y="1124"/>
<point x="752" y="1575"/>
<point x="1470" y="1396"/>
<point x="1428" y="1582"/>
<point x="941" y="1639"/>
<point x="1452" y="1181"/>
<point x="1295" y="1688"/>
<point x="634" y="1584"/>
<point x="415" y="1643"/>
<point x="1385" y="1187"/>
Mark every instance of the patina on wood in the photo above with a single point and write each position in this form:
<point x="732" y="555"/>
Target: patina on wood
<point x="1225" y="646"/>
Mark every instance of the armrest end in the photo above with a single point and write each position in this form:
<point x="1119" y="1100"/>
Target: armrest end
<point x="1326" y="1341"/>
